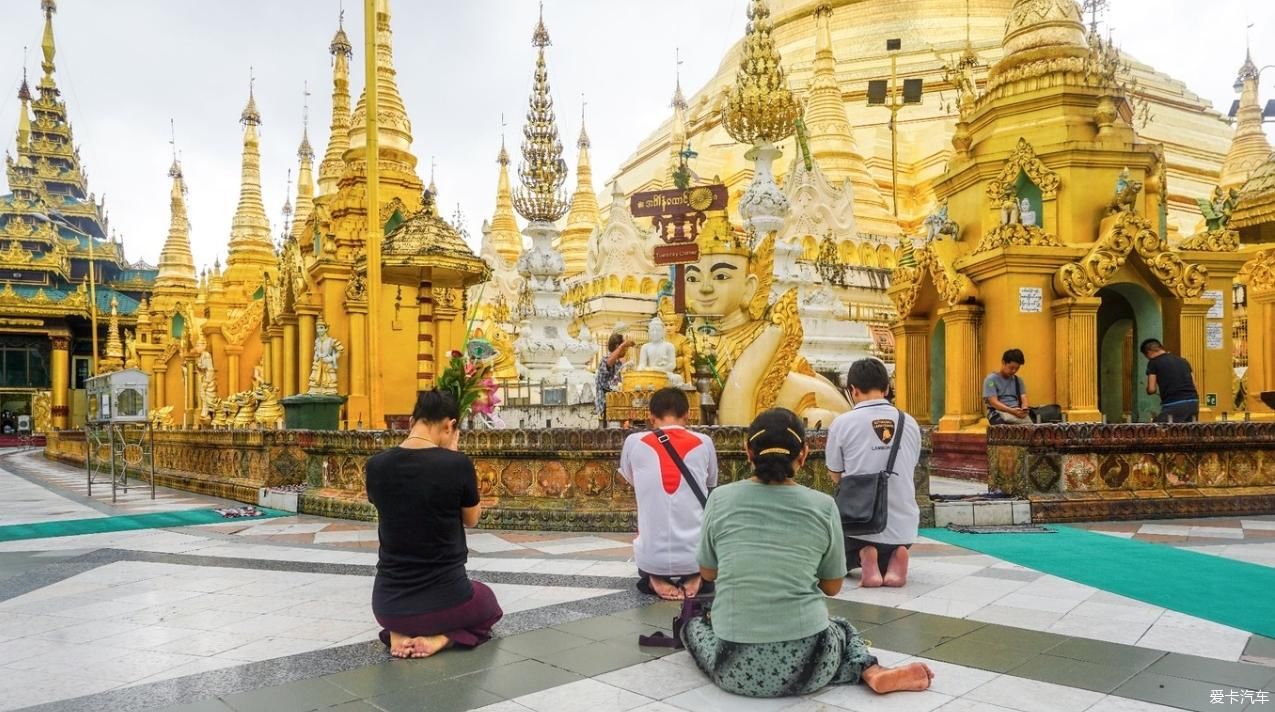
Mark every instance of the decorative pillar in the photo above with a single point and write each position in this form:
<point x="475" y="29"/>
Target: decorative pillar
<point x="1261" y="348"/>
<point x="191" y="389"/>
<point x="962" y="401"/>
<point x="1076" y="357"/>
<point x="290" y="355"/>
<point x="233" y="352"/>
<point x="357" y="407"/>
<point x="60" y="363"/>
<point x="912" y="367"/>
<point x="1188" y="330"/>
<point x="159" y="395"/>
<point x="426" y="366"/>
<point x="305" y="345"/>
<point x="277" y="357"/>
<point x="448" y="334"/>
<point x="267" y="364"/>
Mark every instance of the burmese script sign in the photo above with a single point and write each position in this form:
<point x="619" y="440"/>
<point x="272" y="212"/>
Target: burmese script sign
<point x="657" y="203"/>
<point x="678" y="214"/>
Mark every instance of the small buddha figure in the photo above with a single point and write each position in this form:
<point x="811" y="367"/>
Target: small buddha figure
<point x="1028" y="215"/>
<point x="327" y="351"/>
<point x="658" y="354"/>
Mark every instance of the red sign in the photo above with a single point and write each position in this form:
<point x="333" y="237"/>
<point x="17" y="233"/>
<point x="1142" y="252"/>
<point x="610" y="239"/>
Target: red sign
<point x="678" y="254"/>
<point x="679" y="202"/>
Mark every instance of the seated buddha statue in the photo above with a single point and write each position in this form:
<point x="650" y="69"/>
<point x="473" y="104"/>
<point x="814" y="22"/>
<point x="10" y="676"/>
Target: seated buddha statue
<point x="659" y="354"/>
<point x="755" y="346"/>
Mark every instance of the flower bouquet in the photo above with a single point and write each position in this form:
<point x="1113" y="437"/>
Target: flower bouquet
<point x="469" y="377"/>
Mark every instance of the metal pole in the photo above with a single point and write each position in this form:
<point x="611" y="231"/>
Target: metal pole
<point x="373" y="241"/>
<point x="93" y="304"/>
<point x="894" y="134"/>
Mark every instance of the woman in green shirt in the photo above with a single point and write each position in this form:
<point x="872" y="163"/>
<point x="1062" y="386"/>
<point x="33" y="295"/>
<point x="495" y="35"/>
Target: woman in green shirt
<point x="775" y="550"/>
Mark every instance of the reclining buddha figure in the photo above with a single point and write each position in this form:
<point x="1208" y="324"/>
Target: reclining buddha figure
<point x="754" y="345"/>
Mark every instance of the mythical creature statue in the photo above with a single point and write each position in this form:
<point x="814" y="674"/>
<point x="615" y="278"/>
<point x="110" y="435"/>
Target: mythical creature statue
<point x="268" y="410"/>
<point x="1011" y="212"/>
<point x="327" y="352"/>
<point x="1217" y="210"/>
<point x="1126" y="194"/>
<point x="246" y="403"/>
<point x="161" y="417"/>
<point x="223" y="412"/>
<point x="754" y="346"/>
<point x="131" y="359"/>
<point x="937" y="224"/>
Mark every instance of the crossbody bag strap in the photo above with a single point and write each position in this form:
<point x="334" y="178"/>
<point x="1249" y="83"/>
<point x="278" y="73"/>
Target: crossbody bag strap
<point x="894" y="443"/>
<point x="663" y="438"/>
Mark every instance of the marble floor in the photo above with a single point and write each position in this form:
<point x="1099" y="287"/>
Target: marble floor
<point x="273" y="615"/>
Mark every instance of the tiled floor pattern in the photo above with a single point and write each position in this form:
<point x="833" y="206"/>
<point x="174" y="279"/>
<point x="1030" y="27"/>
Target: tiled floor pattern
<point x="135" y="624"/>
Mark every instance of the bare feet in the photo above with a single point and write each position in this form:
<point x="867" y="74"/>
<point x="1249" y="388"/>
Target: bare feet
<point x="666" y="590"/>
<point x="913" y="677"/>
<point x="424" y="646"/>
<point x="896" y="574"/>
<point x="690" y="586"/>
<point x="401" y="646"/>
<point x="871" y="577"/>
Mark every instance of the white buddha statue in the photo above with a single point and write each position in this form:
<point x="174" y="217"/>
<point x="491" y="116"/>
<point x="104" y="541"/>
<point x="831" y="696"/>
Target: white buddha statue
<point x="1028" y="215"/>
<point x="659" y="354"/>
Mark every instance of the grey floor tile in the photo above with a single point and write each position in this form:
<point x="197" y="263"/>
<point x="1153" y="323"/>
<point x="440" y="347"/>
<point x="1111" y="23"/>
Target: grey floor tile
<point x="540" y="642"/>
<point x="1101" y="652"/>
<point x="201" y="706"/>
<point x="523" y="678"/>
<point x="447" y="696"/>
<point x="865" y="612"/>
<point x="943" y="625"/>
<point x="905" y="640"/>
<point x="300" y="696"/>
<point x="1074" y="673"/>
<point x="355" y="706"/>
<point x="658" y="614"/>
<point x="603" y="627"/>
<point x="395" y="675"/>
<point x="1260" y="646"/>
<point x="1005" y="636"/>
<point x="979" y="654"/>
<point x="1169" y="691"/>
<point x="1252" y="677"/>
<point x="597" y="658"/>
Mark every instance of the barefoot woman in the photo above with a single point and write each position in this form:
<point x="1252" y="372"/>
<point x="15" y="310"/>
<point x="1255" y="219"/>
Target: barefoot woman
<point x="776" y="550"/>
<point x="425" y="493"/>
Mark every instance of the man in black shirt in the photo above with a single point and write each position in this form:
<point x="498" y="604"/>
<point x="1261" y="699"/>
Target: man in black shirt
<point x="1171" y="374"/>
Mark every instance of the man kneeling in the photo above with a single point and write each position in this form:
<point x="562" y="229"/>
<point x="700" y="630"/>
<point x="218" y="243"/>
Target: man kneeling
<point x="671" y="470"/>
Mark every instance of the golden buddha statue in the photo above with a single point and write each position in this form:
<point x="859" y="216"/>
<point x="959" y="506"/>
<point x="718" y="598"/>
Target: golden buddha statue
<point x="755" y="347"/>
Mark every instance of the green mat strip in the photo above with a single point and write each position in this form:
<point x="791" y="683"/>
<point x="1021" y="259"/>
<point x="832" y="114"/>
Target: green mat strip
<point x="1233" y="593"/>
<point x="150" y="520"/>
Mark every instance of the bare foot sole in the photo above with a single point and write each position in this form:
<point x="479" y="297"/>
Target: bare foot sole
<point x="401" y="646"/>
<point x="910" y="678"/>
<point x="871" y="577"/>
<point x="690" y="587"/>
<point x="424" y="646"/>
<point x="896" y="574"/>
<point x="666" y="590"/>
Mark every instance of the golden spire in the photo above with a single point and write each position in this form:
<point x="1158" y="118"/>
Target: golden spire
<point x="583" y="218"/>
<point x="504" y="226"/>
<point x="176" y="264"/>
<point x="830" y="133"/>
<point x="250" y="248"/>
<point x="1249" y="148"/>
<point x="677" y="132"/>
<point x="114" y="358"/>
<point x="48" y="47"/>
<point x="394" y="129"/>
<point x="305" y="177"/>
<point x="759" y="108"/>
<point x="543" y="171"/>
<point x="333" y="164"/>
<point x="24" y="115"/>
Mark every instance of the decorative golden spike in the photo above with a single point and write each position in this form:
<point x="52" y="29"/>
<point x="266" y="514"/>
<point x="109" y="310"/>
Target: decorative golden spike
<point x="543" y="170"/>
<point x="759" y="108"/>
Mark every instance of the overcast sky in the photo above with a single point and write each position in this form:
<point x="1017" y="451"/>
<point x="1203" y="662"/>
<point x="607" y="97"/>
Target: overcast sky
<point x="126" y="67"/>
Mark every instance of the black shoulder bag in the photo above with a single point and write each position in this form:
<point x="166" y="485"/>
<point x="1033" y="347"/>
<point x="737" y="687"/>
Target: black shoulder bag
<point x="681" y="466"/>
<point x="864" y="500"/>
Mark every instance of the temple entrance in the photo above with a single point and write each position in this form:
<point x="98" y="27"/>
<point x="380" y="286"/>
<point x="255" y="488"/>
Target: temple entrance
<point x="938" y="372"/>
<point x="1128" y="315"/>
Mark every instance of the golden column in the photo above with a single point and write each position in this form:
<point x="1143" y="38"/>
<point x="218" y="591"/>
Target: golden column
<point x="426" y="367"/>
<point x="60" y="363"/>
<point x="279" y="356"/>
<point x="290" y="347"/>
<point x="448" y="329"/>
<point x="1184" y="333"/>
<point x="912" y="361"/>
<point x="233" y="352"/>
<point x="962" y="399"/>
<point x="1076" y="357"/>
<point x="306" y="316"/>
<point x="358" y="369"/>
<point x="159" y="397"/>
<point x="374" y="227"/>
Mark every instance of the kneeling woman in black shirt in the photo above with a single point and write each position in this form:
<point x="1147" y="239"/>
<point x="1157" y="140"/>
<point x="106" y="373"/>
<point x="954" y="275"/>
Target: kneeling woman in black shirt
<point x="426" y="492"/>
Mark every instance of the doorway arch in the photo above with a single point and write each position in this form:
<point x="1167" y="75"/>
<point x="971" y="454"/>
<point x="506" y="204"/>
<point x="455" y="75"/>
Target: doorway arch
<point x="1128" y="314"/>
<point x="938" y="372"/>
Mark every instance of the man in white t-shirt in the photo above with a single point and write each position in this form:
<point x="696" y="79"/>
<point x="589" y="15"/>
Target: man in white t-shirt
<point x="669" y="510"/>
<point x="859" y="444"/>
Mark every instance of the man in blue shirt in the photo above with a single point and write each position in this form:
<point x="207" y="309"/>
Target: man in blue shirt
<point x="1005" y="394"/>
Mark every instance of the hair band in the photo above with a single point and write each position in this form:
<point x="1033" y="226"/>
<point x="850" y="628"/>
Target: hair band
<point x="757" y="434"/>
<point x="795" y="435"/>
<point x="775" y="450"/>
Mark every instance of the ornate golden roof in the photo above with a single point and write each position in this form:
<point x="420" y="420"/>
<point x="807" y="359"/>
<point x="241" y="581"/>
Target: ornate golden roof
<point x="543" y="171"/>
<point x="426" y="239"/>
<point x="760" y="108"/>
<point x="1257" y="198"/>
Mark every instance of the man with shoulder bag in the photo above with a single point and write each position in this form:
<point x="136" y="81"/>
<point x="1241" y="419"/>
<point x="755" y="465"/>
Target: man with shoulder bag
<point x="871" y="454"/>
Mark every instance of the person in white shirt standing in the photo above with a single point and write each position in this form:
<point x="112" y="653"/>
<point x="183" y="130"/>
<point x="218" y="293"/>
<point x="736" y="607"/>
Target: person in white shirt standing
<point x="671" y="470"/>
<point x="859" y="443"/>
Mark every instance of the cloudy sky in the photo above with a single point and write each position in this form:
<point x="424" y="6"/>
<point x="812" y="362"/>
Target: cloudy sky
<point x="126" y="67"/>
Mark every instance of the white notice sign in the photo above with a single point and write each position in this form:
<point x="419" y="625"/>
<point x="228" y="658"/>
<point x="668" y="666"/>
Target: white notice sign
<point x="1213" y="334"/>
<point x="1216" y="296"/>
<point x="1030" y="300"/>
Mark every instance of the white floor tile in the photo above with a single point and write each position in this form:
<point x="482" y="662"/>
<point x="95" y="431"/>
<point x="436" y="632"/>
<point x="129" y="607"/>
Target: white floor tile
<point x="1033" y="696"/>
<point x="1223" y="646"/>
<point x="1263" y="524"/>
<point x="582" y="696"/>
<point x="710" y="698"/>
<point x="1099" y="629"/>
<point x="575" y="544"/>
<point x="1124" y="704"/>
<point x="859" y="698"/>
<point x="657" y="679"/>
<point x="954" y="680"/>
<point x="942" y="606"/>
<point x="1016" y="617"/>
<point x="485" y="543"/>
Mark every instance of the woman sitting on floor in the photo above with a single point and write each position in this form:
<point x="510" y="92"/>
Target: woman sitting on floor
<point x="775" y="549"/>
<point x="426" y="492"/>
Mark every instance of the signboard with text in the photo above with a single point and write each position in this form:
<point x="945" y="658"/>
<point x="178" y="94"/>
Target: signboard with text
<point x="676" y="254"/>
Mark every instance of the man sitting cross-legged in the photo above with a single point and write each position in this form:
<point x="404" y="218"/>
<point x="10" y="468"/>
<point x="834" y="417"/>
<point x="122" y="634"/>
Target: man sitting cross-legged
<point x="670" y="508"/>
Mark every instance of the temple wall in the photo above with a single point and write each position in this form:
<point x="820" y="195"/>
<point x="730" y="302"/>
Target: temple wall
<point x="1090" y="472"/>
<point x="561" y="479"/>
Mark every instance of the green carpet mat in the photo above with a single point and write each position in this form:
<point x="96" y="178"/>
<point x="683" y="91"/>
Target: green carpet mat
<point x="1233" y="593"/>
<point x="101" y="525"/>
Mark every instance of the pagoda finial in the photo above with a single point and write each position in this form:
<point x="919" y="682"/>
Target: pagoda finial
<point x="47" y="44"/>
<point x="176" y="276"/>
<point x="333" y="164"/>
<point x="250" y="115"/>
<point x="304" y="151"/>
<point x="504" y="226"/>
<point x="542" y="171"/>
<point x="583" y="219"/>
<point x="679" y="100"/>
<point x="1249" y="147"/>
<point x="503" y="157"/>
<point x="432" y="165"/>
<point x="760" y="108"/>
<point x="250" y="249"/>
<point x="583" y="142"/>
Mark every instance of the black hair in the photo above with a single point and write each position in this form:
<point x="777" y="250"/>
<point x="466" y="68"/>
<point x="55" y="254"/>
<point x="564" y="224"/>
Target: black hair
<point x="669" y="401"/>
<point x="775" y="441"/>
<point x="434" y="406"/>
<point x="868" y="374"/>
<point x="614" y="342"/>
<point x="1150" y="345"/>
<point x="1013" y="356"/>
